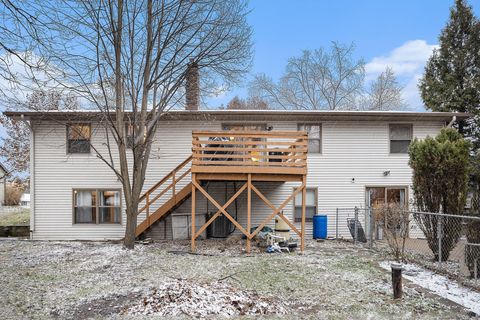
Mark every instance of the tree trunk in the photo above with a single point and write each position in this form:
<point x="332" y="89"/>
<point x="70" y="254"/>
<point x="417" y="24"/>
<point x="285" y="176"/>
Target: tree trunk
<point x="129" y="240"/>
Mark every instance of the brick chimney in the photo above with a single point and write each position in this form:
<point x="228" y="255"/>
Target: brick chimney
<point x="192" y="87"/>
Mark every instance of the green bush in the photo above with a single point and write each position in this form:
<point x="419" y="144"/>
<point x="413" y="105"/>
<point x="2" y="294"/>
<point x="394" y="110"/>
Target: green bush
<point x="441" y="168"/>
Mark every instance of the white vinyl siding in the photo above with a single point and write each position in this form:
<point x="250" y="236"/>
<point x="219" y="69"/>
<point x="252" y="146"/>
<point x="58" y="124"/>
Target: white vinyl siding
<point x="350" y="149"/>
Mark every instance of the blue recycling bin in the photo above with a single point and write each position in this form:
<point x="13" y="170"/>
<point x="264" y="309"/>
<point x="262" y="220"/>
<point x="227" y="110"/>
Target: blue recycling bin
<point x="320" y="226"/>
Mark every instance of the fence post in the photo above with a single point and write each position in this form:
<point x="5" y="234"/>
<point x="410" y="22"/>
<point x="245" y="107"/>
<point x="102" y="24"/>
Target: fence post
<point x="475" y="272"/>
<point x="356" y="227"/>
<point x="336" y="225"/>
<point x="372" y="225"/>
<point x="439" y="236"/>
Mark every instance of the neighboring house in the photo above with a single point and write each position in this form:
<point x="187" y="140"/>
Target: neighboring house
<point x="354" y="159"/>
<point x="3" y="184"/>
<point x="25" y="200"/>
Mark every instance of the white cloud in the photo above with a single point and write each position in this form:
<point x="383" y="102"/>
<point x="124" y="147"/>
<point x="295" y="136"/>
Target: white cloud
<point x="408" y="62"/>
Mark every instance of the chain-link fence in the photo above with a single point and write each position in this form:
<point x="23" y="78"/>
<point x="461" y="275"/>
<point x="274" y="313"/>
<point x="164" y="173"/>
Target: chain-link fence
<point x="448" y="244"/>
<point x="354" y="223"/>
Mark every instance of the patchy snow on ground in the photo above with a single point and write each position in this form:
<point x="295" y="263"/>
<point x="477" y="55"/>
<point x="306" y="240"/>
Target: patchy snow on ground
<point x="102" y="280"/>
<point x="183" y="297"/>
<point x="440" y="285"/>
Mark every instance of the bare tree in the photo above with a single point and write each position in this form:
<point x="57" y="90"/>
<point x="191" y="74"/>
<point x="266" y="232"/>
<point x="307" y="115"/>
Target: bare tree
<point x="317" y="80"/>
<point x="394" y="220"/>
<point x="15" y="144"/>
<point x="127" y="60"/>
<point x="252" y="103"/>
<point x="385" y="93"/>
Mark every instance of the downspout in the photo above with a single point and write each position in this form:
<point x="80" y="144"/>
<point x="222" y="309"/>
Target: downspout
<point x="32" y="175"/>
<point x="450" y="124"/>
<point x="32" y="180"/>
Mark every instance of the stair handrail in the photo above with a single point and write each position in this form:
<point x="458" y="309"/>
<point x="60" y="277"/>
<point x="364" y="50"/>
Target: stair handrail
<point x="175" y="180"/>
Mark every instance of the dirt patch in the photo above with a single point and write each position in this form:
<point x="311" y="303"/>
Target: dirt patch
<point x="103" y="307"/>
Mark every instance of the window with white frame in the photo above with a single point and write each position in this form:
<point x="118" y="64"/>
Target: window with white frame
<point x="314" y="136"/>
<point x="96" y="206"/>
<point x="400" y="137"/>
<point x="311" y="203"/>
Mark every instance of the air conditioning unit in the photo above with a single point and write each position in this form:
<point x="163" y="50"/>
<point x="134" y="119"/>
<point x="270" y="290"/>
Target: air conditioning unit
<point x="221" y="227"/>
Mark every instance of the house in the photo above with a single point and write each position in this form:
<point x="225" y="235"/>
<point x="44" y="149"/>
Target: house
<point x="25" y="200"/>
<point x="3" y="184"/>
<point x="350" y="159"/>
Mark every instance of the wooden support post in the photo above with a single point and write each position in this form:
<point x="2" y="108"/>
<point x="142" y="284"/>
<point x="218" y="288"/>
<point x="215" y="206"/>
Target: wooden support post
<point x="304" y="198"/>
<point x="249" y="210"/>
<point x="193" y="235"/>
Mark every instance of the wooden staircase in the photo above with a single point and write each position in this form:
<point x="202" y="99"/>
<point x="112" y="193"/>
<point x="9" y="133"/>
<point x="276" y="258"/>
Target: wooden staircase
<point x="171" y="201"/>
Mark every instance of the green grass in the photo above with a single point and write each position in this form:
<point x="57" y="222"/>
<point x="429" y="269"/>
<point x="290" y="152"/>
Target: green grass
<point x="16" y="219"/>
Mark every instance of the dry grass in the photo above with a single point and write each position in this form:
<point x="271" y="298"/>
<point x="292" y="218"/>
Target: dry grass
<point x="16" y="218"/>
<point x="80" y="280"/>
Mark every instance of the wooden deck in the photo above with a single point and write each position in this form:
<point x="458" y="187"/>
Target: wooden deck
<point x="232" y="155"/>
<point x="249" y="156"/>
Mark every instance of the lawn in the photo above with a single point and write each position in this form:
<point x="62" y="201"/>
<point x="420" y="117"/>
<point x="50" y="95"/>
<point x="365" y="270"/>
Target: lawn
<point x="15" y="218"/>
<point x="332" y="280"/>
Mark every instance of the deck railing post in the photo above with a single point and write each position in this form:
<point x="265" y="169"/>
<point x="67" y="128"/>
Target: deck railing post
<point x="304" y="209"/>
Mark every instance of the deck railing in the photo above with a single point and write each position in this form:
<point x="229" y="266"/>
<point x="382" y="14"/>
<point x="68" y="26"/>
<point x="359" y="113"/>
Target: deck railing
<point x="251" y="149"/>
<point x="154" y="195"/>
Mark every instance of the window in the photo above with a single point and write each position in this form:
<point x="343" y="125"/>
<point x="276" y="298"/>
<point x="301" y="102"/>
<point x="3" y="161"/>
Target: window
<point x="311" y="205"/>
<point x="314" y="136"/>
<point x="379" y="196"/>
<point x="400" y="137"/>
<point x="85" y="210"/>
<point x="96" y="206"/>
<point x="78" y="136"/>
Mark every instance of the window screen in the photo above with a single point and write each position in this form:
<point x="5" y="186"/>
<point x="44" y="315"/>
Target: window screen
<point x="314" y="136"/>
<point x="78" y="138"/>
<point x="400" y="137"/>
<point x="109" y="207"/>
<point x="85" y="206"/>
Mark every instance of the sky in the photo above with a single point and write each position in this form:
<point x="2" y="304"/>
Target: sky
<point x="396" y="33"/>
